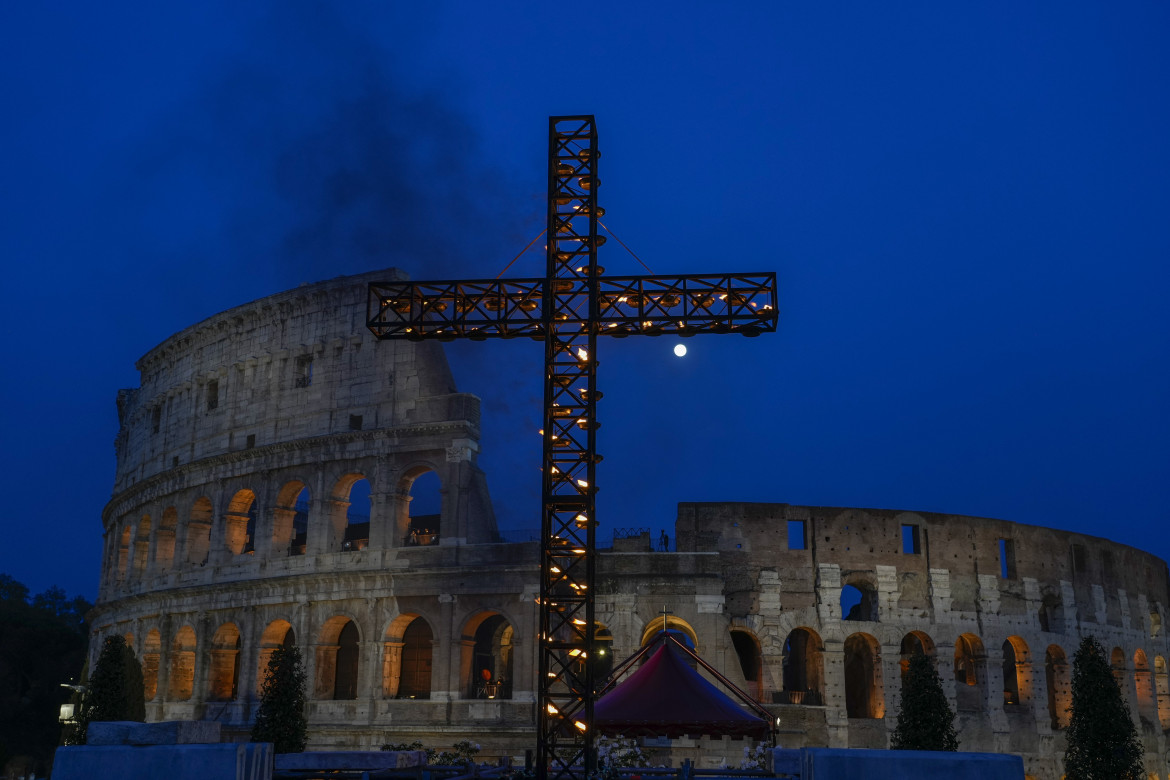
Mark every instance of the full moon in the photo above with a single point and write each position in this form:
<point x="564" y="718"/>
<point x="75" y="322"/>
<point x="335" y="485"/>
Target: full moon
<point x="680" y="350"/>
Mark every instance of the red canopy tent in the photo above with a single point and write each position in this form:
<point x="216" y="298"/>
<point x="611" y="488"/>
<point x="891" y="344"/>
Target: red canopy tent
<point x="666" y="697"/>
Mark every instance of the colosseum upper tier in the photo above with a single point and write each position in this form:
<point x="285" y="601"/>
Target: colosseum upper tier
<point x="268" y="469"/>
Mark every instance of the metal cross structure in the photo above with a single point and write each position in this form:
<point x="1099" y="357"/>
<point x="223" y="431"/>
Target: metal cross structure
<point x="568" y="309"/>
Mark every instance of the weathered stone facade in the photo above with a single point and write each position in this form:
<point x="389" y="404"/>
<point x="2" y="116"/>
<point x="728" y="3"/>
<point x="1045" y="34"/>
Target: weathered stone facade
<point x="231" y="531"/>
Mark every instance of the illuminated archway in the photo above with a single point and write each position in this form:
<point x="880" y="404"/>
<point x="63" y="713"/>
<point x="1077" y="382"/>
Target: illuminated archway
<point x="224" y="670"/>
<point x="864" y="694"/>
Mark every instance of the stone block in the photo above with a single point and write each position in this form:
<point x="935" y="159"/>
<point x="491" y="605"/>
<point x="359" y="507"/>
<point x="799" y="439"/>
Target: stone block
<point x="844" y="764"/>
<point x="247" y="761"/>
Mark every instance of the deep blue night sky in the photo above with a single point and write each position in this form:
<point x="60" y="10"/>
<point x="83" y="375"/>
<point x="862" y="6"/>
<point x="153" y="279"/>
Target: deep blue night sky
<point x="967" y="207"/>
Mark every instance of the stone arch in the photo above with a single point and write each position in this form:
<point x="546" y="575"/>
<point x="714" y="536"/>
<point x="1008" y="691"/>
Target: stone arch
<point x="1144" y="686"/>
<point x="141" y="547"/>
<point x="199" y="531"/>
<point x="1117" y="665"/>
<point x="1059" y="679"/>
<point x="290" y="519"/>
<point x="859" y="599"/>
<point x="349" y="521"/>
<point x="1162" y="686"/>
<point x="182" y="672"/>
<point x="124" y="552"/>
<point x="864" y="695"/>
<point x="1017" y="676"/>
<point x="673" y="624"/>
<point x="151" y="653"/>
<point x="223" y="671"/>
<point x="970" y="673"/>
<point x="164" y="540"/>
<point x="486" y="658"/>
<point x="804" y="667"/>
<point x="603" y="660"/>
<point x="240" y="522"/>
<point x="913" y="643"/>
<point x="278" y="633"/>
<point x="747" y="649"/>
<point x="420" y="491"/>
<point x="407" y="658"/>
<point x="337" y="659"/>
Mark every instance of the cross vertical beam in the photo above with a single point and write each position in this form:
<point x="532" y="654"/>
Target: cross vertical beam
<point x="568" y="309"/>
<point x="568" y="487"/>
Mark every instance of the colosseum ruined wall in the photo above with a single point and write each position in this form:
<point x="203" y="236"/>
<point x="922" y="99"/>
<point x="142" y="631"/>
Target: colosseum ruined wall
<point x="237" y="524"/>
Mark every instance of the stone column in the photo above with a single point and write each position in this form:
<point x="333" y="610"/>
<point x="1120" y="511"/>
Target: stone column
<point x="887" y="592"/>
<point x="463" y="674"/>
<point x="384" y="532"/>
<point x="165" y="627"/>
<point x="836" y="716"/>
<point x="442" y="650"/>
<point x="391" y="668"/>
<point x="368" y="669"/>
<point x="829" y="593"/>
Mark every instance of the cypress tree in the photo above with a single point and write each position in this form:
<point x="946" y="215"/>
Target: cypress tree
<point x="115" y="690"/>
<point x="925" y="720"/>
<point x="1102" y="740"/>
<point x="281" y="716"/>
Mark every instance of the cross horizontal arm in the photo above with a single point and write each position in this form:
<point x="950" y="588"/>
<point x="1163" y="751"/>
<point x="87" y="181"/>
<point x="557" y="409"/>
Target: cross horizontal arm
<point x="447" y="310"/>
<point x="624" y="306"/>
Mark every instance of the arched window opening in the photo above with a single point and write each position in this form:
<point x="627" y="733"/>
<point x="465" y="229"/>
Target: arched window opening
<point x="1052" y="613"/>
<point x="747" y="650"/>
<point x="603" y="656"/>
<point x="199" y="532"/>
<point x="914" y="643"/>
<point x="357" y="518"/>
<point x="300" y="524"/>
<point x="240" y="522"/>
<point x="1162" y="686"/>
<point x="124" y="553"/>
<point x="1059" y="683"/>
<point x="489" y="667"/>
<point x="182" y="673"/>
<point x="425" y="509"/>
<point x="164" y="544"/>
<point x="337" y="657"/>
<point x="675" y="627"/>
<point x="1117" y="664"/>
<point x="970" y="673"/>
<point x="804" y="668"/>
<point x="289" y="525"/>
<point x="224" y="672"/>
<point x="141" y="547"/>
<point x="1144" y="684"/>
<point x="1016" y="675"/>
<point x="415" y="682"/>
<point x="863" y="677"/>
<point x="1155" y="625"/>
<point x="345" y="681"/>
<point x="151" y="652"/>
<point x="277" y="633"/>
<point x="859" y="602"/>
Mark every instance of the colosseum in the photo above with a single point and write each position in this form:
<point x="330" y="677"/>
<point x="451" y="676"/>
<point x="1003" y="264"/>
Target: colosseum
<point x="282" y="477"/>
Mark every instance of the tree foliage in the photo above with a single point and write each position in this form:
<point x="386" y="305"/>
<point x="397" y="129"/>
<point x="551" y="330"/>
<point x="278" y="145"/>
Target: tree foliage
<point x="115" y="690"/>
<point x="281" y="716"/>
<point x="925" y="720"/>
<point x="42" y="645"/>
<point x="1102" y="740"/>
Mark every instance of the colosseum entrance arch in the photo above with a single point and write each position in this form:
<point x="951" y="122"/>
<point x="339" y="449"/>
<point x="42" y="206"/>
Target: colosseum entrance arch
<point x="864" y="694"/>
<point x="337" y="659"/>
<point x="486" y="658"/>
<point x="182" y="671"/>
<point x="278" y="633"/>
<point x="1059" y="684"/>
<point x="970" y="674"/>
<point x="804" y="667"/>
<point x="224" y="669"/>
<point x="914" y="643"/>
<point x="408" y="659"/>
